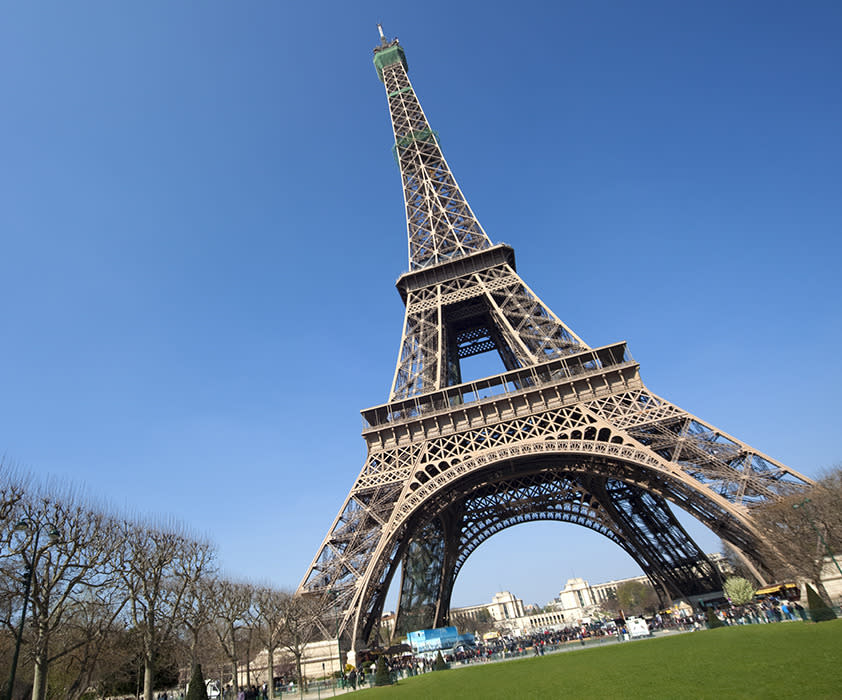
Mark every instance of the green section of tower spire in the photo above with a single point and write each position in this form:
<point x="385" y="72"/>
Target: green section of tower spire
<point x="387" y="56"/>
<point x="387" y="53"/>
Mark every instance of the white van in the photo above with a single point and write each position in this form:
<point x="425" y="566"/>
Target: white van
<point x="637" y="627"/>
<point x="212" y="686"/>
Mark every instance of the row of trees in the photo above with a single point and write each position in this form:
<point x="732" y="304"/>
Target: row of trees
<point x="113" y="603"/>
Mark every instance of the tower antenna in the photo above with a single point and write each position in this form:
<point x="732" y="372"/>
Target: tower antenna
<point x="382" y="35"/>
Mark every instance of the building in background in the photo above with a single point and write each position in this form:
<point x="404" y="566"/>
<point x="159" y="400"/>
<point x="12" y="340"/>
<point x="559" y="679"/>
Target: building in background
<point x="578" y="603"/>
<point x="503" y="608"/>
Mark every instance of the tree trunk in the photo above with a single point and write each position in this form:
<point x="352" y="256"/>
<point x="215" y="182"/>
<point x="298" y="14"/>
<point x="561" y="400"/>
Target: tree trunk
<point x="236" y="674"/>
<point x="270" y="662"/>
<point x="298" y="668"/>
<point x="248" y="661"/>
<point x="148" y="678"/>
<point x="194" y="643"/>
<point x="39" y="680"/>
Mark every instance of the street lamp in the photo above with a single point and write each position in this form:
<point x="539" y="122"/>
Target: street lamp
<point x="53" y="534"/>
<point x="803" y="506"/>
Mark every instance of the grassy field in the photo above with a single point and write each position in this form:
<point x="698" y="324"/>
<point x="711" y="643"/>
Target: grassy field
<point x="787" y="660"/>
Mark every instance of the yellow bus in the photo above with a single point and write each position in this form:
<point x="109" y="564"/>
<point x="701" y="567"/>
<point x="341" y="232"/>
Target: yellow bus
<point x="782" y="591"/>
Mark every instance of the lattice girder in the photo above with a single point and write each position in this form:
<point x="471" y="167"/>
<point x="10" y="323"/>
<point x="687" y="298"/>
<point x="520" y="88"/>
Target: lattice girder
<point x="713" y="457"/>
<point x="523" y="330"/>
<point x="440" y="223"/>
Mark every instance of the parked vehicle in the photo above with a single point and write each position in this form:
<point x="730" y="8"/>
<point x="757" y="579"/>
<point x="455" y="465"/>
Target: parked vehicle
<point x="637" y="627"/>
<point x="212" y="687"/>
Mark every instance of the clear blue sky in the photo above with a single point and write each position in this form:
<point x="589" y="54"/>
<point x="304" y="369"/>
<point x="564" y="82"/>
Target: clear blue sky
<point x="202" y="224"/>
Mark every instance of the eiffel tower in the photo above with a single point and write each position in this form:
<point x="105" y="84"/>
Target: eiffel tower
<point x="567" y="433"/>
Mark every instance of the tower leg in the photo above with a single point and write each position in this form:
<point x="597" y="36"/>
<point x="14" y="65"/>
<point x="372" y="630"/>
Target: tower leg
<point x="421" y="579"/>
<point x="659" y="544"/>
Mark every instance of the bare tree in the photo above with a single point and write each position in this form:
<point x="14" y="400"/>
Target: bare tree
<point x="825" y="509"/>
<point x="299" y="627"/>
<point x="13" y="488"/>
<point x="269" y="609"/>
<point x="157" y="567"/>
<point x="65" y="551"/>
<point x="13" y="496"/>
<point x="232" y="614"/>
<point x="804" y="528"/>
<point x="119" y="665"/>
<point x="199" y="608"/>
<point x="80" y="570"/>
<point x="247" y="646"/>
<point x="93" y="624"/>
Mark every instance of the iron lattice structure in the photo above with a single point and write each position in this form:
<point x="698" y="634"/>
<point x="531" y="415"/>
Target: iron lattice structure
<point x="567" y="432"/>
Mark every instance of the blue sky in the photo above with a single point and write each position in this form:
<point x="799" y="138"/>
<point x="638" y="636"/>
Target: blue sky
<point x="202" y="224"/>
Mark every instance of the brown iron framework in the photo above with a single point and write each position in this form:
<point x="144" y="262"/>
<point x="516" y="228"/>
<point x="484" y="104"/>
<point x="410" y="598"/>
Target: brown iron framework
<point x="567" y="432"/>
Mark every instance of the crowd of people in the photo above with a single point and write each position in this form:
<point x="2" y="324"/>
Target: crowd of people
<point x="765" y="611"/>
<point x="407" y="664"/>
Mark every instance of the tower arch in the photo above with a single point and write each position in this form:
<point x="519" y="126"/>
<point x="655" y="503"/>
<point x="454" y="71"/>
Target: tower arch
<point x="616" y="492"/>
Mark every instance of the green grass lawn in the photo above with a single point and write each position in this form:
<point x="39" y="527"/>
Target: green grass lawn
<point x="786" y="660"/>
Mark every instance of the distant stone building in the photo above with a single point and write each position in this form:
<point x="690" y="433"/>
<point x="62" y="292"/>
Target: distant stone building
<point x="387" y="626"/>
<point x="320" y="660"/>
<point x="503" y="608"/>
<point x="578" y="603"/>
